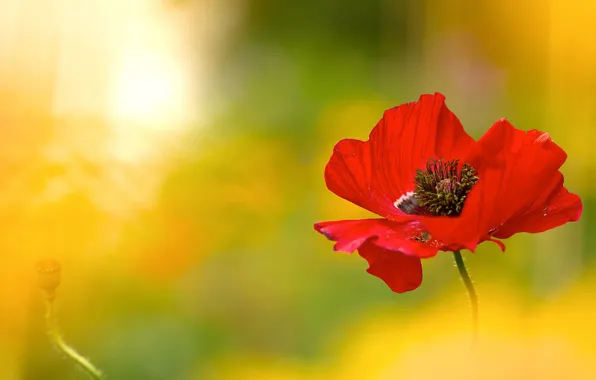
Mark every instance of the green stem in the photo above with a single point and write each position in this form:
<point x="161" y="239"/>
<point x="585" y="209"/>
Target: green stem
<point x="56" y="338"/>
<point x="459" y="261"/>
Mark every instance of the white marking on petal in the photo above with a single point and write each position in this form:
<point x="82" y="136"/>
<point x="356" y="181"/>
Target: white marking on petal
<point x="403" y="198"/>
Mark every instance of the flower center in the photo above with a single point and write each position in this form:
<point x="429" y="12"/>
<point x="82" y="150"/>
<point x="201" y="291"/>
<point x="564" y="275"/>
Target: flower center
<point x="442" y="189"/>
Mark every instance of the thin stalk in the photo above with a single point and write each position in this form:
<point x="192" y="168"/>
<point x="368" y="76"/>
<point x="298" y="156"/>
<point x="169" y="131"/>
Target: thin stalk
<point x="58" y="340"/>
<point x="461" y="267"/>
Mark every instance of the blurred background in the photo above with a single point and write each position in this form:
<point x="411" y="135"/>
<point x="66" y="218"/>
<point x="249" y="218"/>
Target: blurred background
<point x="170" y="154"/>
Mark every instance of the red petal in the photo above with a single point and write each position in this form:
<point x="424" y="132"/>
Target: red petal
<point x="556" y="209"/>
<point x="348" y="174"/>
<point x="515" y="169"/>
<point x="375" y="173"/>
<point x="400" y="272"/>
<point x="350" y="235"/>
<point x="408" y="136"/>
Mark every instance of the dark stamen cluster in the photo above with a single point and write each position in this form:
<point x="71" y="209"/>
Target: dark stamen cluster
<point x="441" y="189"/>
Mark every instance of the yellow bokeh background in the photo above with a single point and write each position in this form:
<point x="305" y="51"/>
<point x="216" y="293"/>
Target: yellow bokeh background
<point x="170" y="154"/>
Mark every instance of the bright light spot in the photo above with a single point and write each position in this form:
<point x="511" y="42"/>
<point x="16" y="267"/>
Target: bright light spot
<point x="151" y="81"/>
<point x="151" y="98"/>
<point x="150" y="89"/>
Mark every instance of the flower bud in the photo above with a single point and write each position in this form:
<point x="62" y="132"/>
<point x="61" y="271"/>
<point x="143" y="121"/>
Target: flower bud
<point x="49" y="276"/>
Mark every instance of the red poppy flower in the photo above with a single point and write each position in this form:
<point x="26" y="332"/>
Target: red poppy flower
<point x="437" y="189"/>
